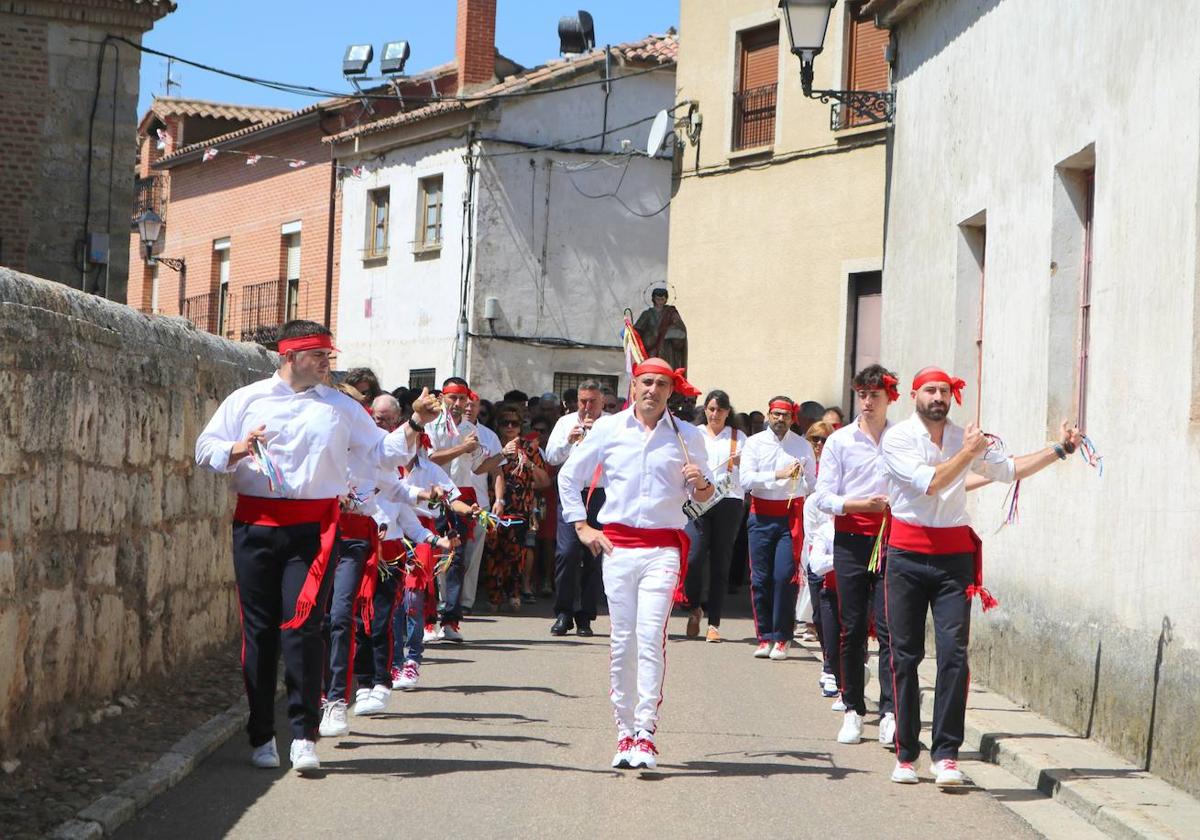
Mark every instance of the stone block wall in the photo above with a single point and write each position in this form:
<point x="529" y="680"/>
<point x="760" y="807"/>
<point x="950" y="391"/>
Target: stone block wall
<point x="114" y="548"/>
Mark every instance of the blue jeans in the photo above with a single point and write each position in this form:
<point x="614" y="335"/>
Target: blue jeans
<point x="339" y="621"/>
<point x="408" y="628"/>
<point x="772" y="567"/>
<point x="373" y="645"/>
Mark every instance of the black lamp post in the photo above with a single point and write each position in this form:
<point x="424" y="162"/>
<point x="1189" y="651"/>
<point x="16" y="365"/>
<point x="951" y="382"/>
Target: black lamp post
<point x="807" y="21"/>
<point x="149" y="227"/>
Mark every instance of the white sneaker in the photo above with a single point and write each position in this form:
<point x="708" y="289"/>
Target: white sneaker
<point x="947" y="774"/>
<point x="333" y="723"/>
<point x="431" y="634"/>
<point x="763" y="650"/>
<point x="905" y="774"/>
<point x="779" y="651"/>
<point x="409" y="675"/>
<point x="852" y="727"/>
<point x="265" y="756"/>
<point x="839" y="705"/>
<point x="304" y="754"/>
<point x="643" y="754"/>
<point x="887" y="730"/>
<point x="624" y="748"/>
<point x="829" y="686"/>
<point x="450" y="633"/>
<point x="361" y="694"/>
<point x="375" y="701"/>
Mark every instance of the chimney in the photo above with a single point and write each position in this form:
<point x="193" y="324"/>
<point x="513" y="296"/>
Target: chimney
<point x="475" y="44"/>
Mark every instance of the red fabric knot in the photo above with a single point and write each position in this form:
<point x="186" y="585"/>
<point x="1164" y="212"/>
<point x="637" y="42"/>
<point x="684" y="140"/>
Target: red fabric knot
<point x="890" y="384"/>
<point x="677" y="376"/>
<point x="939" y="375"/>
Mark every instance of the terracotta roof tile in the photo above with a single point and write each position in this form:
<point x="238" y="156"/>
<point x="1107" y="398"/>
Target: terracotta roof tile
<point x="165" y="106"/>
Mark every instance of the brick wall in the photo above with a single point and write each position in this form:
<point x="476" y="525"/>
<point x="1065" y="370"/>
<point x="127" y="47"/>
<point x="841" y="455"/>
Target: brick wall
<point x="114" y="548"/>
<point x="47" y="84"/>
<point x="248" y="204"/>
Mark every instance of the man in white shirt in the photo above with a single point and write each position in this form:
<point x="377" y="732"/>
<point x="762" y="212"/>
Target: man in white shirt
<point x="935" y="560"/>
<point x="576" y="570"/>
<point x="852" y="488"/>
<point x="286" y="519"/>
<point x="652" y="465"/>
<point x="458" y="449"/>
<point x="489" y="442"/>
<point x="779" y="470"/>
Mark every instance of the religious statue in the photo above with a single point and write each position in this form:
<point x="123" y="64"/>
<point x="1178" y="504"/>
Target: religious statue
<point x="662" y="331"/>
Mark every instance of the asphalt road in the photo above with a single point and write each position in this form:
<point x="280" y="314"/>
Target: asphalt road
<point x="510" y="735"/>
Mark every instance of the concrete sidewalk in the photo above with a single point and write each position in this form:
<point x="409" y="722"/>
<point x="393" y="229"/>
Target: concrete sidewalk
<point x="511" y="735"/>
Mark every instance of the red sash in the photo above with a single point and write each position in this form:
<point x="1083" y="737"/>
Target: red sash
<point x="958" y="540"/>
<point x="468" y="496"/>
<point x="281" y="513"/>
<point x="863" y="524"/>
<point x="355" y="526"/>
<point x="625" y="536"/>
<point x="795" y="515"/>
<point x="421" y="574"/>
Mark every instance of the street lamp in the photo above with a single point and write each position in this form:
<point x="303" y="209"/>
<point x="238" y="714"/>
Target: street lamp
<point x="149" y="228"/>
<point x="807" y="22"/>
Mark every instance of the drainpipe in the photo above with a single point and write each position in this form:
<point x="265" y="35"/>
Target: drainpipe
<point x="331" y="232"/>
<point x="460" y="341"/>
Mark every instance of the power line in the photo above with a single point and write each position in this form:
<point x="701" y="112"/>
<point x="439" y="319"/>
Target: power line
<point x="559" y="145"/>
<point x="310" y="90"/>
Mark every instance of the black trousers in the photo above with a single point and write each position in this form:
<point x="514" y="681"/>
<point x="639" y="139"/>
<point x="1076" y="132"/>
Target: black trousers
<point x="576" y="571"/>
<point x="860" y="595"/>
<point x="373" y="645"/>
<point x="914" y="585"/>
<point x="270" y="566"/>
<point x="713" y="536"/>
<point x="824" y="601"/>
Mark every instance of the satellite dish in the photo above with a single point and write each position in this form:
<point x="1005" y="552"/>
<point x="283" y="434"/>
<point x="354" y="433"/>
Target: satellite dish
<point x="658" y="132"/>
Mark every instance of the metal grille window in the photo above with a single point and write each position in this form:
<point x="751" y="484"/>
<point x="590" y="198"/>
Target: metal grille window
<point x="566" y="381"/>
<point x="419" y="378"/>
<point x="429" y="206"/>
<point x="754" y="98"/>
<point x="262" y="311"/>
<point x="377" y="223"/>
<point x="198" y="310"/>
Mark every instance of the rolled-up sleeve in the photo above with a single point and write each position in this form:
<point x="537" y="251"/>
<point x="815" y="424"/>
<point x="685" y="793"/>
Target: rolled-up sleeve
<point x="1002" y="469"/>
<point x="215" y="444"/>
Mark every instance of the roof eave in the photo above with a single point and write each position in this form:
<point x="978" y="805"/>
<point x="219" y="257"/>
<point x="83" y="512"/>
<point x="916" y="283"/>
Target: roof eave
<point x="888" y="13"/>
<point x="233" y="142"/>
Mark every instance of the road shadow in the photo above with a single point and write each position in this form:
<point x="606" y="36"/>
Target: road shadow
<point x="499" y="689"/>
<point x="499" y="644"/>
<point x="418" y="739"/>
<point x="500" y="718"/>
<point x="754" y="769"/>
<point x="423" y="768"/>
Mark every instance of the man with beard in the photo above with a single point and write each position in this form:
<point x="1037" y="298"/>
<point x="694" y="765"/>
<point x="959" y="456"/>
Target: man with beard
<point x="651" y="468"/>
<point x="935" y="560"/>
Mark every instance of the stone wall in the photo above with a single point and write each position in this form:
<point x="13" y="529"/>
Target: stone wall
<point x="114" y="548"/>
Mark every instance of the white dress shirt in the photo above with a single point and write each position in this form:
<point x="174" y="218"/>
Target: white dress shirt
<point x="490" y="443"/>
<point x="817" y="554"/>
<point x="644" y="468"/>
<point x="462" y="468"/>
<point x="559" y="448"/>
<point x="718" y="457"/>
<point x="424" y="474"/>
<point x="400" y="518"/>
<point x="309" y="436"/>
<point x="910" y="456"/>
<point x="764" y="454"/>
<point x="851" y="468"/>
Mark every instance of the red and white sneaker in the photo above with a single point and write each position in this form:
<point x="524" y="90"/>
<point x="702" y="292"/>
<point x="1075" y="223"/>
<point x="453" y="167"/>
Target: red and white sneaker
<point x="410" y="675"/>
<point x="947" y="774"/>
<point x="624" y="748"/>
<point x="643" y="755"/>
<point x="904" y="773"/>
<point x="431" y="633"/>
<point x="779" y="651"/>
<point x="395" y="677"/>
<point x="450" y="632"/>
<point x="763" y="650"/>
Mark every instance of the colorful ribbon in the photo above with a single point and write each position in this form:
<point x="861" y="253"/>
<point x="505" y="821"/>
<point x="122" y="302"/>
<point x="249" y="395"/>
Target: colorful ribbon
<point x="262" y="461"/>
<point x="1089" y="453"/>
<point x="491" y="521"/>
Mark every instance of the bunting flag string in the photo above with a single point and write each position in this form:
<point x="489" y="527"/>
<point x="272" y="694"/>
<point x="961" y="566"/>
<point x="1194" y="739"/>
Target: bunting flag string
<point x="253" y="158"/>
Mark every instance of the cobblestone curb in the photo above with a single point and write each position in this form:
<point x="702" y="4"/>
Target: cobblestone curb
<point x="108" y="813"/>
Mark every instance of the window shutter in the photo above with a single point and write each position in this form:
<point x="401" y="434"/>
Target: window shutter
<point x="867" y="68"/>
<point x="760" y="58"/>
<point x="293" y="256"/>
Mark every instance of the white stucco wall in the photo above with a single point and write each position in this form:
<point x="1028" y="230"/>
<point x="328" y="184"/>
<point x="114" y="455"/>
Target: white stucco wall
<point x="414" y="298"/>
<point x="992" y="95"/>
<point x="561" y="265"/>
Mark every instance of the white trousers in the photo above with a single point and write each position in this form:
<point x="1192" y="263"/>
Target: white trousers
<point x="474" y="561"/>
<point x="640" y="585"/>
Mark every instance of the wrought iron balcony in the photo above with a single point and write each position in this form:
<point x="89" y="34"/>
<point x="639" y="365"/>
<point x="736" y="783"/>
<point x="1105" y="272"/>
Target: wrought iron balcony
<point x="754" y="117"/>
<point x="262" y="308"/>
<point x="148" y="194"/>
<point x="199" y="309"/>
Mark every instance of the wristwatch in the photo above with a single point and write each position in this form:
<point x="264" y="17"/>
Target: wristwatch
<point x="416" y="427"/>
<point x="431" y="539"/>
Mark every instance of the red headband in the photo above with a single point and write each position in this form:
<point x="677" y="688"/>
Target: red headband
<point x="785" y="405"/>
<point x="319" y="341"/>
<point x="455" y="388"/>
<point x="889" y="384"/>
<point x="682" y="386"/>
<point x="938" y="375"/>
<point x="474" y="397"/>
